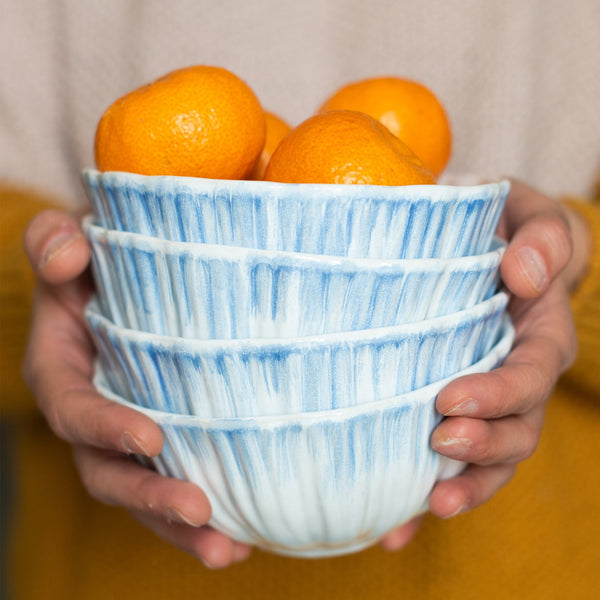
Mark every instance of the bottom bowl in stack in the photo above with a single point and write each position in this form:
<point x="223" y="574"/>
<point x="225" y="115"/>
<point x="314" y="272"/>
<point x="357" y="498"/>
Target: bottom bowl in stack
<point x="313" y="484"/>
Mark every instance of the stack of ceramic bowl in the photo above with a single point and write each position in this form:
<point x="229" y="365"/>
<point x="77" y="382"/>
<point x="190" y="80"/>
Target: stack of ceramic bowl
<point x="290" y="340"/>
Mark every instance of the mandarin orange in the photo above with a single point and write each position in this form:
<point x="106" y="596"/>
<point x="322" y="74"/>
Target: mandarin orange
<point x="277" y="129"/>
<point x="407" y="108"/>
<point x="199" y="121"/>
<point x="343" y="146"/>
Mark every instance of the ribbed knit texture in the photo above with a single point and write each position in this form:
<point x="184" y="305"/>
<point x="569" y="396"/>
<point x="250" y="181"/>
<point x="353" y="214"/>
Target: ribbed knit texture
<point x="538" y="538"/>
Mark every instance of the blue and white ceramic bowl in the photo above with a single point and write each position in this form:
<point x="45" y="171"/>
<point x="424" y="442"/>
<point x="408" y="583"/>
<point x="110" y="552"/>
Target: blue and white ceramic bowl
<point x="206" y="291"/>
<point x="314" y="484"/>
<point x="344" y="220"/>
<point x="251" y="377"/>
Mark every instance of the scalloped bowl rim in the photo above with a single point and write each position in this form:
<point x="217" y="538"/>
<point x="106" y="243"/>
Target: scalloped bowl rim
<point x="438" y="192"/>
<point x="486" y="307"/>
<point x="134" y="239"/>
<point x="421" y="395"/>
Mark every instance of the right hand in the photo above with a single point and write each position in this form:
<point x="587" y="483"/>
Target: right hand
<point x="59" y="368"/>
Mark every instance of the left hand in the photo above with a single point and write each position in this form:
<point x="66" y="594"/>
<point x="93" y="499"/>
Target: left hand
<point x="494" y="420"/>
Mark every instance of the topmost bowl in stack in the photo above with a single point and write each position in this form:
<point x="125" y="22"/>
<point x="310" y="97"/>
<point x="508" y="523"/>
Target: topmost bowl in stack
<point x="372" y="296"/>
<point x="360" y="221"/>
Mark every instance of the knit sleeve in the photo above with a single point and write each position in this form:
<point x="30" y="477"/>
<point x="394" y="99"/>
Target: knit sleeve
<point x="585" y="303"/>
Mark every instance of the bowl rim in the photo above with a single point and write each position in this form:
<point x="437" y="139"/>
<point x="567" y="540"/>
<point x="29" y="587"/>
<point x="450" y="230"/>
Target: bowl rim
<point x="130" y="239"/>
<point x="438" y="192"/>
<point x="494" y="304"/>
<point x="415" y="397"/>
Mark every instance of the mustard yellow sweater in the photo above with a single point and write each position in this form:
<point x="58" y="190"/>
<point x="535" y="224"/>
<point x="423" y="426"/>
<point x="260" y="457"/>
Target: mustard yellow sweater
<point x="539" y="537"/>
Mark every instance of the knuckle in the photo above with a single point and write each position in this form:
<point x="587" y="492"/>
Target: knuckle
<point x="146" y="496"/>
<point x="483" y="450"/>
<point x="91" y="480"/>
<point x="532" y="435"/>
<point x="485" y="486"/>
<point x="56" y="420"/>
<point x="505" y="404"/>
<point x="485" y="453"/>
<point x="38" y="227"/>
<point x="481" y="454"/>
<point x="558" y="238"/>
<point x="503" y="394"/>
<point x="55" y="408"/>
<point x="539" y="386"/>
<point x="478" y="492"/>
<point x="530" y="445"/>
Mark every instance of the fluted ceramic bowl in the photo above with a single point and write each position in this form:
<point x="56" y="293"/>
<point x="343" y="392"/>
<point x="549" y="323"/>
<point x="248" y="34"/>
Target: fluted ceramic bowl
<point x="252" y="377"/>
<point x="389" y="222"/>
<point x="207" y="291"/>
<point x="313" y="484"/>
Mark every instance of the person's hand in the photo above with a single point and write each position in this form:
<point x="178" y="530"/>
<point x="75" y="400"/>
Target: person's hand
<point x="58" y="368"/>
<point x="494" y="420"/>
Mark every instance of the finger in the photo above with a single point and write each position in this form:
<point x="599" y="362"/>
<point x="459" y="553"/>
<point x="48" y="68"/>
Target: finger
<point x="521" y="383"/>
<point x="488" y="442"/>
<point x="214" y="549"/>
<point x="398" y="538"/>
<point x="116" y="479"/>
<point x="79" y="415"/>
<point x="59" y="369"/>
<point x="475" y="486"/>
<point x="541" y="244"/>
<point x="545" y="346"/>
<point x="241" y="552"/>
<point x="548" y="318"/>
<point x="176" y="510"/>
<point x="56" y="247"/>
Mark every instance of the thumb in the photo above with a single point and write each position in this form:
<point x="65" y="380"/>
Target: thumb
<point x="541" y="244"/>
<point x="56" y="247"/>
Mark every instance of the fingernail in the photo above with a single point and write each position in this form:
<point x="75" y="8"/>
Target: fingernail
<point x="533" y="266"/>
<point x="464" y="408"/>
<point x="461" y="509"/>
<point x="207" y="564"/>
<point x="176" y="516"/>
<point x="133" y="445"/>
<point x="57" y="245"/>
<point x="452" y="447"/>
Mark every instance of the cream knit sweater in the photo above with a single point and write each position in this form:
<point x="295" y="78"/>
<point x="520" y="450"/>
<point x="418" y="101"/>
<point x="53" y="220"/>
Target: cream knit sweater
<point x="520" y="79"/>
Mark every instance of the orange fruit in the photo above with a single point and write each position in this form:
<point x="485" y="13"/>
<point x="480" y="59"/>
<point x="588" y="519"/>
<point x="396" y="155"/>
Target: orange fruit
<point x="343" y="146"/>
<point x="277" y="129"/>
<point x="408" y="109"/>
<point x="199" y="121"/>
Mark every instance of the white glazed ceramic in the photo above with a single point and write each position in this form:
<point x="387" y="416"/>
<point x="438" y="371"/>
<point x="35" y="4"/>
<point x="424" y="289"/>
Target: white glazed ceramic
<point x="218" y="292"/>
<point x="251" y="377"/>
<point x="345" y="220"/>
<point x="314" y="484"/>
